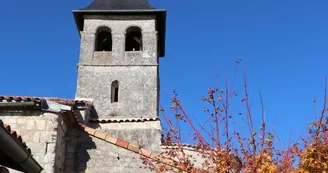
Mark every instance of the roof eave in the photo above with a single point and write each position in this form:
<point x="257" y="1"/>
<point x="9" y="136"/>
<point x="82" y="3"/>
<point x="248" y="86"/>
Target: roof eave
<point x="160" y="15"/>
<point x="13" y="148"/>
<point x="132" y="10"/>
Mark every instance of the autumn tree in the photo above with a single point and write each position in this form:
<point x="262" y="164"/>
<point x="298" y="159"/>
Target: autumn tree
<point x="219" y="147"/>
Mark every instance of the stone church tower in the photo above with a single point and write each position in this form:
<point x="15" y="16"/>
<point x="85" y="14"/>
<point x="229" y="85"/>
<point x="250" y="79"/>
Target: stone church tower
<point x="121" y="41"/>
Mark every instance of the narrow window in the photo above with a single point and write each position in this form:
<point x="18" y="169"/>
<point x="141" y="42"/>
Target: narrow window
<point x="114" y="94"/>
<point x="103" y="39"/>
<point x="133" y="39"/>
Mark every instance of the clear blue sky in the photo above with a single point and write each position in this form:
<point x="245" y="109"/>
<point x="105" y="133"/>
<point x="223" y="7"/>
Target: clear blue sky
<point x="282" y="43"/>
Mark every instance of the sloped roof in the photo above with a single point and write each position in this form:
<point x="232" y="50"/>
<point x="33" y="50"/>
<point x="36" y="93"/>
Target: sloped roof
<point x="122" y="120"/>
<point x="14" y="152"/>
<point x="119" y="5"/>
<point x="14" y="134"/>
<point x="44" y="104"/>
<point x="134" y="148"/>
<point x="69" y="102"/>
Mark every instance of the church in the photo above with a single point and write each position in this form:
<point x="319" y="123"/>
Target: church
<point x="113" y="121"/>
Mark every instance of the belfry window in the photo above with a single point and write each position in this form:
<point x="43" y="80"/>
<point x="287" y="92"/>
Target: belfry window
<point x="133" y="39"/>
<point x="115" y="90"/>
<point x="103" y="39"/>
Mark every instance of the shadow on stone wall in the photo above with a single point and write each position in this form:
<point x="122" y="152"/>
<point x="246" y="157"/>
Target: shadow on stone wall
<point x="94" y="115"/>
<point x="90" y="113"/>
<point x="79" y="117"/>
<point x="83" y="145"/>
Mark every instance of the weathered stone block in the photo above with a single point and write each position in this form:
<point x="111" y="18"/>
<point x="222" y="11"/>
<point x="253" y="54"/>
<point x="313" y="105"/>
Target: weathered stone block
<point x="48" y="137"/>
<point x="40" y="124"/>
<point x="50" y="116"/>
<point x="36" y="137"/>
<point x="37" y="147"/>
<point x="49" y="168"/>
<point x="51" y="147"/>
<point x="38" y="156"/>
<point x="30" y="124"/>
<point x="29" y="135"/>
<point x="49" y="158"/>
<point x="21" y="120"/>
<point x="51" y="125"/>
<point x="10" y="120"/>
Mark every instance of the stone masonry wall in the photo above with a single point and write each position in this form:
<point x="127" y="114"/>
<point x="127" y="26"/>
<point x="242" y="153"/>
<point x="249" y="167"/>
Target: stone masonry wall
<point x="60" y="145"/>
<point x="94" y="155"/>
<point x="43" y="133"/>
<point x="118" y="26"/>
<point x="146" y="134"/>
<point x="135" y="71"/>
<point x="89" y="154"/>
<point x="137" y="96"/>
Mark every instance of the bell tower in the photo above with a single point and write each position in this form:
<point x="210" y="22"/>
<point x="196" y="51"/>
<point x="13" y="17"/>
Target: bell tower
<point x="121" y="42"/>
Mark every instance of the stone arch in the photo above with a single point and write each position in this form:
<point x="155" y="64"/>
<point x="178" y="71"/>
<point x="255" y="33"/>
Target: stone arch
<point x="104" y="41"/>
<point x="133" y="39"/>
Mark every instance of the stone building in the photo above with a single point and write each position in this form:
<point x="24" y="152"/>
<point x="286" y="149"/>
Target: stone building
<point x="113" y="120"/>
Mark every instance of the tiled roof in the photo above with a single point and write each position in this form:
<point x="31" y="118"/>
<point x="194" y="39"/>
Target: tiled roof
<point x="119" y="5"/>
<point x="170" y="145"/>
<point x="69" y="102"/>
<point x="38" y="102"/>
<point x="15" y="135"/>
<point x="134" y="148"/>
<point x="131" y="120"/>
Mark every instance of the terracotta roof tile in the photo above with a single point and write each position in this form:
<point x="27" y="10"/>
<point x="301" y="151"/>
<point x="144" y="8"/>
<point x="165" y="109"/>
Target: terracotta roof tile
<point x="145" y="152"/>
<point x="154" y="156"/>
<point x="90" y="131"/>
<point x="121" y="143"/>
<point x="15" y="135"/>
<point x="100" y="134"/>
<point x="111" y="139"/>
<point x="131" y="120"/>
<point x="134" y="148"/>
<point x="177" y="144"/>
<point x="39" y="99"/>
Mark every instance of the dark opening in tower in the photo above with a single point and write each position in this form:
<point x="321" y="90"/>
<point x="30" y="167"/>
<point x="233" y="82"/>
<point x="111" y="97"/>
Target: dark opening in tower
<point x="103" y="39"/>
<point x="115" y="90"/>
<point x="133" y="39"/>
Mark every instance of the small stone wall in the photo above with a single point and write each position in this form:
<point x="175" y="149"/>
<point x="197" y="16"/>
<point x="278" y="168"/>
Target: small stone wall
<point x="94" y="155"/>
<point x="43" y="133"/>
<point x="61" y="145"/>
<point x="146" y="134"/>
<point x="89" y="154"/>
<point x="191" y="152"/>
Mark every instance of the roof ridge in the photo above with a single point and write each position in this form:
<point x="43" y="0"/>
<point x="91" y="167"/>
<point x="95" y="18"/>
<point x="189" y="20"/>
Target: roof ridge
<point x="119" y="5"/>
<point x="122" y="120"/>
<point x="186" y="145"/>
<point x="38" y="99"/>
<point x="133" y="147"/>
